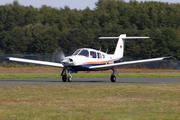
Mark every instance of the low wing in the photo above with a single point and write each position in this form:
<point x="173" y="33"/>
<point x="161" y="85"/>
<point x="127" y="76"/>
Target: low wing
<point x="110" y="66"/>
<point x="35" y="62"/>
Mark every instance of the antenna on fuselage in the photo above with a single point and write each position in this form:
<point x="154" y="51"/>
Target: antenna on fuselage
<point x="107" y="50"/>
<point x="100" y="48"/>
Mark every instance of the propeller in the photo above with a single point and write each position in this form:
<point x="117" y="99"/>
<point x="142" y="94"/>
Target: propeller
<point x="58" y="55"/>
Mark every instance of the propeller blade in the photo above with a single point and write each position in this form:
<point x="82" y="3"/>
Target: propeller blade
<point x="58" y="55"/>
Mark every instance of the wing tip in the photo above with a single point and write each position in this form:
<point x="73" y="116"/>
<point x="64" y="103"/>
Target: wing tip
<point x="7" y="58"/>
<point x="168" y="58"/>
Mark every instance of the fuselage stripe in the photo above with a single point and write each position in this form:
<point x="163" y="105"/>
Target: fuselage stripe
<point x="96" y="62"/>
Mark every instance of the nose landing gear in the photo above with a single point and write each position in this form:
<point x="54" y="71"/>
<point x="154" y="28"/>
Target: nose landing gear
<point x="64" y="76"/>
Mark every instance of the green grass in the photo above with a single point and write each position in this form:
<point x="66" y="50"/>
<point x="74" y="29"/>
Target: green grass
<point x="90" y="102"/>
<point x="86" y="75"/>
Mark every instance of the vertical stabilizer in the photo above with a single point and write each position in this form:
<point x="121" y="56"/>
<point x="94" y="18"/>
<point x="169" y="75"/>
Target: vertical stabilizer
<point x="119" y="51"/>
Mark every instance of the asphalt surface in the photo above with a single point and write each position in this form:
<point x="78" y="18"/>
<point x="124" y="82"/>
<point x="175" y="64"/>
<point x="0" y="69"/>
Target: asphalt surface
<point x="80" y="81"/>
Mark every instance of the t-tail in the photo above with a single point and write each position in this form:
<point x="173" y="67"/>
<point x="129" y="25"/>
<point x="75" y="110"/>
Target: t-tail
<point x="119" y="51"/>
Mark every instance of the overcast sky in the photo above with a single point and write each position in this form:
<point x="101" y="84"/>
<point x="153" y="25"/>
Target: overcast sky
<point x="78" y="4"/>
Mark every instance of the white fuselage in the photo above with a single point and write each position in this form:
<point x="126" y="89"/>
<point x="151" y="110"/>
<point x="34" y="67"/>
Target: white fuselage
<point x="86" y="57"/>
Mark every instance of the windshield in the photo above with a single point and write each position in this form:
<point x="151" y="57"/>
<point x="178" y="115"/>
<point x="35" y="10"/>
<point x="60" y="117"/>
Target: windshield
<point x="76" y="52"/>
<point x="84" y="53"/>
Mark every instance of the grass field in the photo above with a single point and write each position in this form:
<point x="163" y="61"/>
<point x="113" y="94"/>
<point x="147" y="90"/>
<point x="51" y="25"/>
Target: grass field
<point x="87" y="75"/>
<point x="9" y="73"/>
<point x="90" y="102"/>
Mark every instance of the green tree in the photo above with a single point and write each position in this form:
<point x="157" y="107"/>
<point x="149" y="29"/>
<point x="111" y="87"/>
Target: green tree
<point x="16" y="41"/>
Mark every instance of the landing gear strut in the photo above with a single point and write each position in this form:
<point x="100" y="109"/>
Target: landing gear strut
<point x="64" y="76"/>
<point x="113" y="77"/>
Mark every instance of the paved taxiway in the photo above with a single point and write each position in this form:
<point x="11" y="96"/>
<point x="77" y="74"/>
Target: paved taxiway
<point x="79" y="81"/>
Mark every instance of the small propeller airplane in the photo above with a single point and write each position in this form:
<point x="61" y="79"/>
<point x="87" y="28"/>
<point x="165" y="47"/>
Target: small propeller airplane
<point x="86" y="59"/>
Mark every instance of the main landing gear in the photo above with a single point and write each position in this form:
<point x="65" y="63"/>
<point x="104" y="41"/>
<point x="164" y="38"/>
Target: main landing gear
<point x="113" y="77"/>
<point x="64" y="76"/>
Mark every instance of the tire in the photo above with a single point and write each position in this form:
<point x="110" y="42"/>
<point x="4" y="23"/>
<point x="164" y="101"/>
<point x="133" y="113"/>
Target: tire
<point x="64" y="78"/>
<point x="69" y="79"/>
<point x="113" y="78"/>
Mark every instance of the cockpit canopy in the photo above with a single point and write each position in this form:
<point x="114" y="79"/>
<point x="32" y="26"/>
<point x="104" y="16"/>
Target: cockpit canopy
<point x="89" y="53"/>
<point x="83" y="52"/>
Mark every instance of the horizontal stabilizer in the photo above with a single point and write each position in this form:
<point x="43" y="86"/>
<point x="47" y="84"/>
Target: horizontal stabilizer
<point x="108" y="38"/>
<point x="123" y="38"/>
<point x="35" y="62"/>
<point x="136" y="37"/>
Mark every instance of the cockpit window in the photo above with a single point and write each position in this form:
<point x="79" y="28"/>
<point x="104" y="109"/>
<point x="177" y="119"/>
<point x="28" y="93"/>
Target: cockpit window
<point x="76" y="52"/>
<point x="92" y="54"/>
<point x="103" y="55"/>
<point x="84" y="53"/>
<point x="99" y="55"/>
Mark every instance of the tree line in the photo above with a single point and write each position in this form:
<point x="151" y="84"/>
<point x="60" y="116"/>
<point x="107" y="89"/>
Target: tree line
<point x="42" y="30"/>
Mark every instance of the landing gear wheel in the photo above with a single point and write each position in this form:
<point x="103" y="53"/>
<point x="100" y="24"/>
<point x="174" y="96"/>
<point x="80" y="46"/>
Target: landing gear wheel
<point x="69" y="79"/>
<point x="113" y="78"/>
<point x="64" y="78"/>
